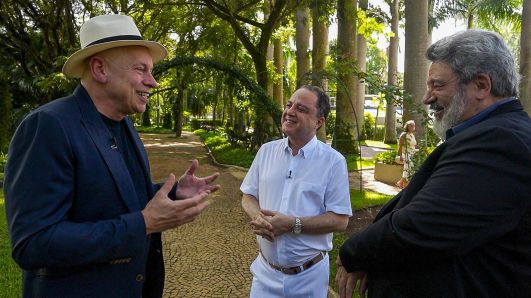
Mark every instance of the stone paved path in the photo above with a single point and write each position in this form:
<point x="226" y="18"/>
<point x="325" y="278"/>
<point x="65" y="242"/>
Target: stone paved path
<point x="210" y="257"/>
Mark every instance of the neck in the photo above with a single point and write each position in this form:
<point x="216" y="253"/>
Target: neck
<point x="103" y="104"/>
<point x="296" y="145"/>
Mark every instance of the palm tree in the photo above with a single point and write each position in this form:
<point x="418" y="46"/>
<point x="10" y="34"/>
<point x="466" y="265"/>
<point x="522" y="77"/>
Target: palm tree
<point x="319" y="51"/>
<point x="346" y="129"/>
<point x="479" y="13"/>
<point x="302" y="42"/>
<point x="525" y="56"/>
<point x="392" y="75"/>
<point x="415" y="64"/>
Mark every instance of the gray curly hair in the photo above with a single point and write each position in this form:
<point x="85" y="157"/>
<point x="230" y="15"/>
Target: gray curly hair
<point x="473" y="52"/>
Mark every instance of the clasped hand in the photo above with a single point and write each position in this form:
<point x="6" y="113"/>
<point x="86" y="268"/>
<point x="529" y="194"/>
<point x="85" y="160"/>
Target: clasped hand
<point x="269" y="224"/>
<point x="161" y="213"/>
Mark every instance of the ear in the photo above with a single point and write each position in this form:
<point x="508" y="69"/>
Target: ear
<point x="482" y="85"/>
<point x="97" y="69"/>
<point x="320" y="122"/>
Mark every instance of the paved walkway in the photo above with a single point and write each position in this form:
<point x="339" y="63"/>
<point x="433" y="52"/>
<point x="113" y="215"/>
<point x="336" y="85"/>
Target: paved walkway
<point x="210" y="257"/>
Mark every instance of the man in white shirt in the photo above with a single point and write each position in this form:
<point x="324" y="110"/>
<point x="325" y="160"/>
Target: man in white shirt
<point x="296" y="194"/>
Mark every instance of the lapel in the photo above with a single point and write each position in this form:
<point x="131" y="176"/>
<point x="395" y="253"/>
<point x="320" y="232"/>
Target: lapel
<point x="101" y="137"/>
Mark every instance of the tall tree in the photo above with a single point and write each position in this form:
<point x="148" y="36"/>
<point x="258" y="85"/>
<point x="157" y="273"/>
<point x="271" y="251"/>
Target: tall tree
<point x="320" y="51"/>
<point x="278" y="84"/>
<point x="415" y="64"/>
<point x="240" y="16"/>
<point x="525" y="56"/>
<point x="361" y="54"/>
<point x="479" y="13"/>
<point x="392" y="75"/>
<point x="5" y="113"/>
<point x="346" y="129"/>
<point x="302" y="42"/>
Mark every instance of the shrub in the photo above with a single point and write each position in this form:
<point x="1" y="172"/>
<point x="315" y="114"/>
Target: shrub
<point x="207" y="124"/>
<point x="368" y="127"/>
<point x="223" y="151"/>
<point x="387" y="157"/>
<point x="330" y="125"/>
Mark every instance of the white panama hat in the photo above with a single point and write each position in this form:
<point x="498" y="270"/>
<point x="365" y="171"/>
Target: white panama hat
<point x="106" y="32"/>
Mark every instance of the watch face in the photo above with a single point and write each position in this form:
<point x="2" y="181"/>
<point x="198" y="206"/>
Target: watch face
<point x="298" y="226"/>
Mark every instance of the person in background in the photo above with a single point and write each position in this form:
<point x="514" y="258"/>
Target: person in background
<point x="296" y="194"/>
<point x="462" y="227"/>
<point x="407" y="147"/>
<point x="84" y="217"/>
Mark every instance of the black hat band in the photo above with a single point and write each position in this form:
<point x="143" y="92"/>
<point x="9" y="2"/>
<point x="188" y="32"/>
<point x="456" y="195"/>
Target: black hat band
<point x="115" y="38"/>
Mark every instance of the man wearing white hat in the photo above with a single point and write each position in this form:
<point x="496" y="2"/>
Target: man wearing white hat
<point x="84" y="217"/>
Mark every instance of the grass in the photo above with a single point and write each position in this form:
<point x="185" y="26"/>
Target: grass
<point x="364" y="199"/>
<point x="358" y="200"/>
<point x="223" y="151"/>
<point x="378" y="144"/>
<point x="354" y="164"/>
<point x="11" y="276"/>
<point x="153" y="129"/>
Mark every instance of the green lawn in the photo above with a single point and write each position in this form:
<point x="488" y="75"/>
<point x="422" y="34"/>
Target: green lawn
<point x="358" y="200"/>
<point x="378" y="144"/>
<point x="11" y="276"/>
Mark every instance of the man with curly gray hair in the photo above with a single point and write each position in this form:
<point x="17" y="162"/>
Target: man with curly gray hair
<point x="462" y="227"/>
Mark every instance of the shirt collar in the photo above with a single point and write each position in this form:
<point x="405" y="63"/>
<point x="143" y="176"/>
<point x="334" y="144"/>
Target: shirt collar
<point x="306" y="150"/>
<point x="477" y="118"/>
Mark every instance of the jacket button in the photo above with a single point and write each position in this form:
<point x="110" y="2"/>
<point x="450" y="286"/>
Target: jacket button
<point x="139" y="277"/>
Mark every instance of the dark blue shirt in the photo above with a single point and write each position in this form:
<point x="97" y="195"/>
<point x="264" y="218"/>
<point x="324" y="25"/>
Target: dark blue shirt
<point x="477" y="118"/>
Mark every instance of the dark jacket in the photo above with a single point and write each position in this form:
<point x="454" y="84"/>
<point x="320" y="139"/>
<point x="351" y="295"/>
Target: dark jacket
<point x="74" y="218"/>
<point x="462" y="227"/>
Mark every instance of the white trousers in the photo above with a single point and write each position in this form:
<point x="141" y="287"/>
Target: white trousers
<point x="268" y="282"/>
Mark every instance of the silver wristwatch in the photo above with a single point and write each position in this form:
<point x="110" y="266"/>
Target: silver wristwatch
<point x="297" y="228"/>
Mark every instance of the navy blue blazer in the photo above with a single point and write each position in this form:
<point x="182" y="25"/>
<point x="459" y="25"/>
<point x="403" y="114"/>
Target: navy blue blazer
<point x="74" y="218"/>
<point x="462" y="227"/>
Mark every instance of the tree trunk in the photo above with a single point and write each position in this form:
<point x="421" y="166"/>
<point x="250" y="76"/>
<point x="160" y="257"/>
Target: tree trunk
<point x="319" y="54"/>
<point x="5" y="114"/>
<point x="146" y="119"/>
<point x="278" y="86"/>
<point x="302" y="42"/>
<point x="416" y="64"/>
<point x="178" y="109"/>
<point x="392" y="76"/>
<point x="525" y="57"/>
<point x="361" y="54"/>
<point x="346" y="130"/>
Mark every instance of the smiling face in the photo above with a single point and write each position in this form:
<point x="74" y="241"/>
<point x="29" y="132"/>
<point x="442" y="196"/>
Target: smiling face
<point x="300" y="119"/>
<point x="128" y="80"/>
<point x="446" y="98"/>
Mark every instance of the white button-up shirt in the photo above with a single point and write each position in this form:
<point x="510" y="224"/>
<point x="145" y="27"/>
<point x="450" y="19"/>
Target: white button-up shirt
<point x="311" y="183"/>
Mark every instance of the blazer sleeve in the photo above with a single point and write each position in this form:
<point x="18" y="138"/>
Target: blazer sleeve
<point x="478" y="192"/>
<point x="39" y="192"/>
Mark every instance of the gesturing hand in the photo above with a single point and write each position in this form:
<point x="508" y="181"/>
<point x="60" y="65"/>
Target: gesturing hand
<point x="161" y="213"/>
<point x="190" y="185"/>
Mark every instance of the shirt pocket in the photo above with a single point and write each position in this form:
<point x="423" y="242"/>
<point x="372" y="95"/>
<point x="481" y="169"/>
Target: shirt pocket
<point x="311" y="201"/>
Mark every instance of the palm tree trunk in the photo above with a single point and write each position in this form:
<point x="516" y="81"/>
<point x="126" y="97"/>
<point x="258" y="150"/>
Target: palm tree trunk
<point x="416" y="65"/>
<point x="392" y="76"/>
<point x="302" y="42"/>
<point x="525" y="57"/>
<point x="319" y="54"/>
<point x="346" y="129"/>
